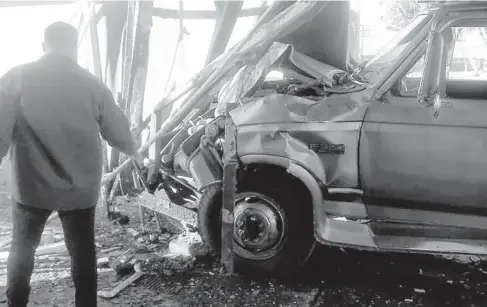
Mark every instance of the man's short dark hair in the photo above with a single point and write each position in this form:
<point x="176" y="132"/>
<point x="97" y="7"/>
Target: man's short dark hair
<point x="61" y="34"/>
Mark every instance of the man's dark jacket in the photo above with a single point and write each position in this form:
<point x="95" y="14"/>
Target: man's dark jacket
<point x="52" y="112"/>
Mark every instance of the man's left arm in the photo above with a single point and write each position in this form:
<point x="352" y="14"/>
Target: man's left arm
<point x="9" y="100"/>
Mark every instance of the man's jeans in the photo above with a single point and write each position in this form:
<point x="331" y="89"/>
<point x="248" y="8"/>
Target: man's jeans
<point x="28" y="225"/>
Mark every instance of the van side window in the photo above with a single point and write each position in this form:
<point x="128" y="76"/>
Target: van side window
<point x="466" y="76"/>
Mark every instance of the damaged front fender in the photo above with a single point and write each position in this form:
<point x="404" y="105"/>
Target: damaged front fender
<point x="292" y="168"/>
<point x="321" y="136"/>
<point x="272" y="147"/>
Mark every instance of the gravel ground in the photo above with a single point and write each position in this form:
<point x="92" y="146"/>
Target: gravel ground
<point x="333" y="277"/>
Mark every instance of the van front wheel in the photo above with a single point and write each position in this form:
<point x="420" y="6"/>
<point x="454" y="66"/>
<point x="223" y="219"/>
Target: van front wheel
<point x="273" y="225"/>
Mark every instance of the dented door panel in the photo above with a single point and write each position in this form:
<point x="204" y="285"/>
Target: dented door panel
<point x="407" y="155"/>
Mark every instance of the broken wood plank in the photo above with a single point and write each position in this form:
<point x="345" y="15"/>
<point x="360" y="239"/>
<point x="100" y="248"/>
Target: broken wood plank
<point x="158" y="204"/>
<point x="124" y="284"/>
<point x="54" y="248"/>
<point x="111" y="249"/>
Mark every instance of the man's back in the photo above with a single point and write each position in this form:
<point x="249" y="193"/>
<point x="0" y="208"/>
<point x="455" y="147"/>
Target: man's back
<point x="56" y="150"/>
<point x="52" y="113"/>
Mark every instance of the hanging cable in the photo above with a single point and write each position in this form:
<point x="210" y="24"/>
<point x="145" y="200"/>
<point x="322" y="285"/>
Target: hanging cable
<point x="182" y="32"/>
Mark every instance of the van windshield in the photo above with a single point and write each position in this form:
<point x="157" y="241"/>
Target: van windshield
<point x="390" y="54"/>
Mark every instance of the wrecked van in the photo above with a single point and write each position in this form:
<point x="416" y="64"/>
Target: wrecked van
<point x="384" y="157"/>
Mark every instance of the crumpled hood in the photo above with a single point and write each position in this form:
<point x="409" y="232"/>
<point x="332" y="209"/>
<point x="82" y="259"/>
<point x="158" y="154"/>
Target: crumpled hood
<point x="278" y="108"/>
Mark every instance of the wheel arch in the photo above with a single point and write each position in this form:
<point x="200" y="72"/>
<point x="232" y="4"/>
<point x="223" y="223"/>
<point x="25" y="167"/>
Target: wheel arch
<point x="292" y="168"/>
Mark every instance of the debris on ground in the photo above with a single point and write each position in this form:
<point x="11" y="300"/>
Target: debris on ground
<point x="175" y="273"/>
<point x="115" y="291"/>
<point x="187" y="244"/>
<point x="132" y="232"/>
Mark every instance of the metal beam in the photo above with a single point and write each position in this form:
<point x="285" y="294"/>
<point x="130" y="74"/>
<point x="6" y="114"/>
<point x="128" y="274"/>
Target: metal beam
<point x="33" y="3"/>
<point x="193" y="14"/>
<point x="116" y="16"/>
<point x="223" y="29"/>
<point x="95" y="44"/>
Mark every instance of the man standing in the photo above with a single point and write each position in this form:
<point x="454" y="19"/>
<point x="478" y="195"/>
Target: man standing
<point x="52" y="112"/>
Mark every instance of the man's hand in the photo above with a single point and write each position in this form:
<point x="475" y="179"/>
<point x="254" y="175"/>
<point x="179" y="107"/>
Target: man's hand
<point x="105" y="178"/>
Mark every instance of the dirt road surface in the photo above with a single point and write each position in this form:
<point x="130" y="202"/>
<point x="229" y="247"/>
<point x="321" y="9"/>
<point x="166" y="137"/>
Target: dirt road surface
<point x="333" y="277"/>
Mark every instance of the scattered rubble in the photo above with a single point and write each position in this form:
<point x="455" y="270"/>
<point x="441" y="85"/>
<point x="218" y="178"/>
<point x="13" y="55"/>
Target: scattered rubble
<point x="132" y="232"/>
<point x="115" y="291"/>
<point x="187" y="244"/>
<point x="175" y="273"/>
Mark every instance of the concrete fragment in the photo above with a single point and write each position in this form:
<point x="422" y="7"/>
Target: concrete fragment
<point x="189" y="244"/>
<point x="153" y="238"/>
<point x="132" y="232"/>
<point x="164" y="238"/>
<point x="54" y="248"/>
<point x="47" y="237"/>
<point x="102" y="261"/>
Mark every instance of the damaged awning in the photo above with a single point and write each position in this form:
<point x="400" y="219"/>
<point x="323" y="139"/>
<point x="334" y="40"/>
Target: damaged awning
<point x="279" y="22"/>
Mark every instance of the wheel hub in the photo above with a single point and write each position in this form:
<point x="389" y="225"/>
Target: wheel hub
<point x="259" y="227"/>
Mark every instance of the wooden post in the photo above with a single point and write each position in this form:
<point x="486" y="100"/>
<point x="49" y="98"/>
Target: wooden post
<point x="230" y="163"/>
<point x="128" y="47"/>
<point x="95" y="46"/>
<point x="228" y="15"/>
<point x="116" y="18"/>
<point x="155" y="148"/>
<point x="135" y="70"/>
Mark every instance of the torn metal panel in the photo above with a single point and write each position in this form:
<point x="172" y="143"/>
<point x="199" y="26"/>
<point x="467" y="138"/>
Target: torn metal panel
<point x="284" y="23"/>
<point x="224" y="28"/>
<point x="249" y="77"/>
<point x="259" y="39"/>
<point x="311" y="66"/>
<point x="282" y="109"/>
<point x="249" y="50"/>
<point x="283" y="57"/>
<point x="324" y="37"/>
